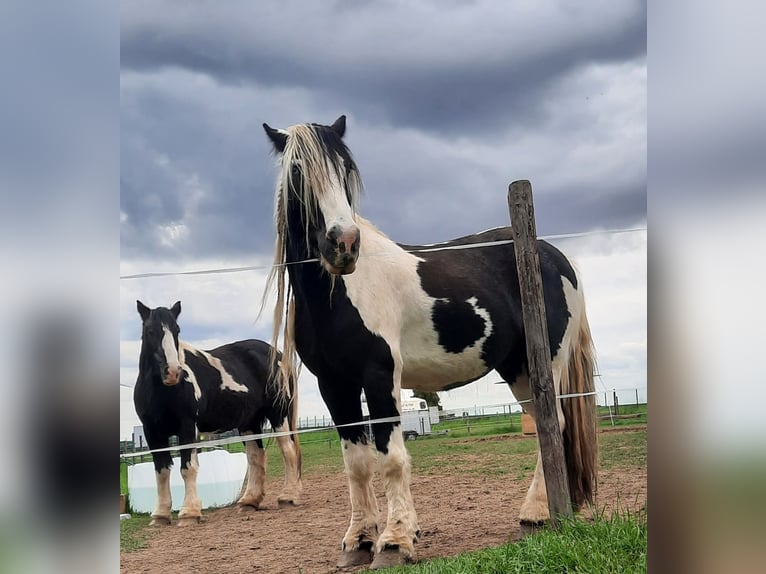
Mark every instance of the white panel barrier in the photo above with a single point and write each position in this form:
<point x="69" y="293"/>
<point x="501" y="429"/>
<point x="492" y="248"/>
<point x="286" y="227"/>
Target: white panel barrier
<point x="219" y="481"/>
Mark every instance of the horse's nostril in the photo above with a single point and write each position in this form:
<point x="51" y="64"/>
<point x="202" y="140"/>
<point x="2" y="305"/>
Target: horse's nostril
<point x="333" y="233"/>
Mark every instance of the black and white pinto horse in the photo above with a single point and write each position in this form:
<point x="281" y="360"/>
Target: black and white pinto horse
<point x="377" y="316"/>
<point x="182" y="389"/>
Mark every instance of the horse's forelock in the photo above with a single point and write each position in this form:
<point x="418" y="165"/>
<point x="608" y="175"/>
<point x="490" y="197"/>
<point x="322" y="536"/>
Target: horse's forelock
<point x="322" y="157"/>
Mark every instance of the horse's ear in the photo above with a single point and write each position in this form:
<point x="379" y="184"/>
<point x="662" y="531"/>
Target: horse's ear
<point x="176" y="309"/>
<point x="277" y="137"/>
<point x="143" y="310"/>
<point x="339" y="127"/>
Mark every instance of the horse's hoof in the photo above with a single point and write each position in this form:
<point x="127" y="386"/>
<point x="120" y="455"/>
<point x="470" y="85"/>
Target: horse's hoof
<point x="355" y="558"/>
<point x="189" y="520"/>
<point x="527" y="528"/>
<point x="390" y="557"/>
<point x="287" y="503"/>
<point x="160" y="521"/>
<point x="247" y="508"/>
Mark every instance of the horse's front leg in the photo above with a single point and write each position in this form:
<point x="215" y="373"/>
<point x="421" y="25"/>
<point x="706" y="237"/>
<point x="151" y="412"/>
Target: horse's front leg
<point x="162" y="463"/>
<point x="345" y="406"/>
<point x="191" y="510"/>
<point x="396" y="544"/>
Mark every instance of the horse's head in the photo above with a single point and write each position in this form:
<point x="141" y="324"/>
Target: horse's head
<point x="159" y="341"/>
<point x="318" y="190"/>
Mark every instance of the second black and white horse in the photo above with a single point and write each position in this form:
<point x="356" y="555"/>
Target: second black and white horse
<point x="182" y="389"/>
<point x="377" y="316"/>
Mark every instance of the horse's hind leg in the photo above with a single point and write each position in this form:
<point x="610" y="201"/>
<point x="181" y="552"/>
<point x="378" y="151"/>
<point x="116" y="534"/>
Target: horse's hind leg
<point x="534" y="510"/>
<point x="256" y="475"/>
<point x="291" y="455"/>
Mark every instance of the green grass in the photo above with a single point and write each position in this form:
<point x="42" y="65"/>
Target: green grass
<point x="622" y="449"/>
<point x="134" y="532"/>
<point x="606" y="545"/>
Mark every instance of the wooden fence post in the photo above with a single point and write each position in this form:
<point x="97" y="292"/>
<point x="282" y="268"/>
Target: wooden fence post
<point x="549" y="437"/>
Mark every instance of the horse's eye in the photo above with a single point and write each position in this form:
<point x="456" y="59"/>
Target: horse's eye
<point x="295" y="170"/>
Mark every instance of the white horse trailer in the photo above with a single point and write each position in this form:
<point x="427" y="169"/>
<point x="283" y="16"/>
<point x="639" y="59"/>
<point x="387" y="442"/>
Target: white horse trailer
<point x="416" y="417"/>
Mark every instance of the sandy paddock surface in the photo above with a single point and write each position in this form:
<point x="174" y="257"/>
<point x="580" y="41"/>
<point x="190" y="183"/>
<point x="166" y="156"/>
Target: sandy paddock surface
<point x="457" y="512"/>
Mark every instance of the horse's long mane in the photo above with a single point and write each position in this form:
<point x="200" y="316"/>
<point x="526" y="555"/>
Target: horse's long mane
<point x="324" y="162"/>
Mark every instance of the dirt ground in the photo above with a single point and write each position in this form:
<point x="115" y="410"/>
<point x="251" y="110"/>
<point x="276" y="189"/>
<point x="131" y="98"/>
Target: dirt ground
<point x="456" y="512"/>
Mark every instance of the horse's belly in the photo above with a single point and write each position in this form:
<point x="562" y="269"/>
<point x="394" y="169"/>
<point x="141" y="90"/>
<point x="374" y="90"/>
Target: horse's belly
<point x="434" y="369"/>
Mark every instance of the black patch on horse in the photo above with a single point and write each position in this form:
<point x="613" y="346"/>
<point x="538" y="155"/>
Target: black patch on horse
<point x="457" y="324"/>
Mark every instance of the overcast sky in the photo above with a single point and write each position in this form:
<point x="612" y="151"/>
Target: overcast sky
<point x="447" y="103"/>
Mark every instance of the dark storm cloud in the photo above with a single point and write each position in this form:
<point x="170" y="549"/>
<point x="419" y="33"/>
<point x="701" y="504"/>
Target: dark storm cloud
<point x="465" y="67"/>
<point x="446" y="103"/>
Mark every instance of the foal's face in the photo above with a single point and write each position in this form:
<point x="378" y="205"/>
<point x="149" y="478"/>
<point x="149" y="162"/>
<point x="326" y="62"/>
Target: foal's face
<point x="160" y="336"/>
<point x="321" y="181"/>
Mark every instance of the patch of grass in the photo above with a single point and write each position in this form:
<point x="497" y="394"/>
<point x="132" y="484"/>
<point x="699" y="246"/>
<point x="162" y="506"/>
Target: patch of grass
<point x="609" y="418"/>
<point x="606" y="545"/>
<point x="134" y="532"/>
<point x="488" y="457"/>
<point x="622" y="449"/>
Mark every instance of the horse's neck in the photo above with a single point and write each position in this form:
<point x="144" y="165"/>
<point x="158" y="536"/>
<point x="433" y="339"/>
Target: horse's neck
<point x="373" y="242"/>
<point x="147" y="368"/>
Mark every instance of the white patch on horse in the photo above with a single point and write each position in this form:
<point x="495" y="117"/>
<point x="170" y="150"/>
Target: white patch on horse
<point x="575" y="308"/>
<point x="403" y="315"/>
<point x="227" y="381"/>
<point x="164" y="501"/>
<point x="169" y="348"/>
<point x="358" y="462"/>
<point x="484" y="314"/>
<point x="183" y="348"/>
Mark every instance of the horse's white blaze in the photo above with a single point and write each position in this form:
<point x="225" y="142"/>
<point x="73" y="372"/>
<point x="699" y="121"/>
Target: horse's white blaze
<point x="170" y="351"/>
<point x="334" y="206"/>
<point x="227" y="381"/>
<point x="387" y="293"/>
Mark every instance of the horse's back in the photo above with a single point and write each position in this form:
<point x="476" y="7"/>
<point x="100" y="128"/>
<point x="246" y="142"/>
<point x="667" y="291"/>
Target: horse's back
<point x="240" y="350"/>
<point x="247" y="361"/>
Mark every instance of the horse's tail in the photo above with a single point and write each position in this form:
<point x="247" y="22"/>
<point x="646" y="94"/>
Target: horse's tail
<point x="580" y="436"/>
<point x="293" y="419"/>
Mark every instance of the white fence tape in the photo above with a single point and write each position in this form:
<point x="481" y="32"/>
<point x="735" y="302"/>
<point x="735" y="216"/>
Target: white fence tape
<point x="274" y="434"/>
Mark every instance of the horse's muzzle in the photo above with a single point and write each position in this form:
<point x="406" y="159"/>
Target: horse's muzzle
<point x="172" y="376"/>
<point x="340" y="249"/>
